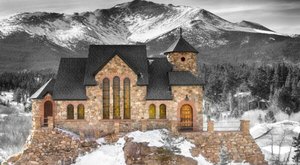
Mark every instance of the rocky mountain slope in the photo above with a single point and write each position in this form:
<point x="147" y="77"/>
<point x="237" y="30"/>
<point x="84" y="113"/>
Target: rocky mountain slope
<point x="37" y="40"/>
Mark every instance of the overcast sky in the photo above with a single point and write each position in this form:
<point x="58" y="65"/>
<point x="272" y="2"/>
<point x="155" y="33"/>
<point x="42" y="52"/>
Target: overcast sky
<point x="280" y="15"/>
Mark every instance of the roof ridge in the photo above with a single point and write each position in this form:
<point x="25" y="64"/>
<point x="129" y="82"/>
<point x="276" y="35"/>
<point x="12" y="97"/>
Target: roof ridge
<point x="181" y="45"/>
<point x="73" y="58"/>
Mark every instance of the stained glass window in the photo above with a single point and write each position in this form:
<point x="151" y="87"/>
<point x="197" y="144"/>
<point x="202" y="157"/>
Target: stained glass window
<point x="126" y="98"/>
<point x="162" y="111"/>
<point x="70" y="111"/>
<point x="105" y="98"/>
<point x="80" y="111"/>
<point x="152" y="111"/>
<point x="116" y="98"/>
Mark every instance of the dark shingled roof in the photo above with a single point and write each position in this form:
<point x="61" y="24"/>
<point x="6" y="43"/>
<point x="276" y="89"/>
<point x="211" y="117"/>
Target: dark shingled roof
<point x="75" y="73"/>
<point x="158" y="88"/>
<point x="181" y="45"/>
<point x="135" y="56"/>
<point x="184" y="78"/>
<point x="69" y="82"/>
<point x="42" y="91"/>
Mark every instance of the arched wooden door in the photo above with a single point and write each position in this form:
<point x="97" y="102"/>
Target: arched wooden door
<point x="48" y="111"/>
<point x="186" y="117"/>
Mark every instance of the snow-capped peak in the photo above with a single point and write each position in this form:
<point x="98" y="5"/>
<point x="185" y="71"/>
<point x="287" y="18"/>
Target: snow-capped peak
<point x="131" y="22"/>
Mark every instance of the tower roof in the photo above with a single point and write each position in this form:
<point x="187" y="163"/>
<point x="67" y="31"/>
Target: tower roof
<point x="181" y="45"/>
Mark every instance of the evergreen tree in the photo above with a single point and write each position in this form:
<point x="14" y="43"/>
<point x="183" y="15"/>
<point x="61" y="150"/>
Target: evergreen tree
<point x="294" y="87"/>
<point x="224" y="156"/>
<point x="288" y="80"/>
<point x="260" y="118"/>
<point x="270" y="118"/>
<point x="296" y="144"/>
<point x="214" y="88"/>
<point x="17" y="95"/>
<point x="276" y="76"/>
<point x="259" y="83"/>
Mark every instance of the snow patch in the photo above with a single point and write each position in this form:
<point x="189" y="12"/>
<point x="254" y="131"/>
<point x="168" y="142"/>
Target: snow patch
<point x="110" y="154"/>
<point x="260" y="129"/>
<point x="69" y="133"/>
<point x="276" y="149"/>
<point x="154" y="137"/>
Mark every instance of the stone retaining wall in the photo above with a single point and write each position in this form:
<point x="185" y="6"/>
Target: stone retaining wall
<point x="240" y="146"/>
<point x="51" y="146"/>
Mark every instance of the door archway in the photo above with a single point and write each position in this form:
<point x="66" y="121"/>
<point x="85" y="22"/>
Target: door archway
<point x="48" y="111"/>
<point x="186" y="117"/>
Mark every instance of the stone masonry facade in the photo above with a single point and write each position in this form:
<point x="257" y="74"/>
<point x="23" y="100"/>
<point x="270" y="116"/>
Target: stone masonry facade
<point x="184" y="61"/>
<point x="191" y="95"/>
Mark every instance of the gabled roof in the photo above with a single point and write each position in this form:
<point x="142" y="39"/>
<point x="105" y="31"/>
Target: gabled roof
<point x="42" y="91"/>
<point x="156" y="73"/>
<point x="158" y="87"/>
<point x="135" y="56"/>
<point x="182" y="78"/>
<point x="181" y="45"/>
<point x="69" y="82"/>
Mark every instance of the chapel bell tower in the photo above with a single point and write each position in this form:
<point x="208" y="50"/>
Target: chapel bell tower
<point x="182" y="56"/>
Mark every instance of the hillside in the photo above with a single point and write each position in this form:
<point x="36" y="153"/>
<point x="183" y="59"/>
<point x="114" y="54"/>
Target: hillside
<point x="36" y="41"/>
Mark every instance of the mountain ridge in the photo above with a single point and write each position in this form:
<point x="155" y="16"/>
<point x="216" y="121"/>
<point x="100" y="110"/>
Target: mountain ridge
<point x="143" y="22"/>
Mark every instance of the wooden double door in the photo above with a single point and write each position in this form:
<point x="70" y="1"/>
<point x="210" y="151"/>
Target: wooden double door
<point x="186" y="117"/>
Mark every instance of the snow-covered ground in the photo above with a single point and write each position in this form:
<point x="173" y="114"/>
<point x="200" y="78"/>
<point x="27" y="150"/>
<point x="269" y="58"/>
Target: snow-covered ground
<point x="12" y="118"/>
<point x="276" y="138"/>
<point x="110" y="154"/>
<point x="7" y="97"/>
<point x="113" y="154"/>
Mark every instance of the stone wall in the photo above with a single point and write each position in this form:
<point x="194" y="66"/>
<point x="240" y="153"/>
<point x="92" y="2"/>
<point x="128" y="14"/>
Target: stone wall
<point x="188" y="64"/>
<point x="36" y="114"/>
<point x="192" y="95"/>
<point x="51" y="146"/>
<point x="241" y="147"/>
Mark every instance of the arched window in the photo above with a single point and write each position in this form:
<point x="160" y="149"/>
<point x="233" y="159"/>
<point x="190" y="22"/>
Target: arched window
<point x="116" y="98"/>
<point x="126" y="98"/>
<point x="152" y="111"/>
<point x="162" y="111"/>
<point x="105" y="98"/>
<point x="80" y="111"/>
<point x="70" y="111"/>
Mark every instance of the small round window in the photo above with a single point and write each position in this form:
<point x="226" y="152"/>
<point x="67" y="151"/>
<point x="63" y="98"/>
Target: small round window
<point x="182" y="59"/>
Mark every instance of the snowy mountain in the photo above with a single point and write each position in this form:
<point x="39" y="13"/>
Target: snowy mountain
<point x="52" y="35"/>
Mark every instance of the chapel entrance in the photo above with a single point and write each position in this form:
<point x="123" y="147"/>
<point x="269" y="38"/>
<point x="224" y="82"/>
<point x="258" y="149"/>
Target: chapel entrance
<point x="48" y="111"/>
<point x="186" y="117"/>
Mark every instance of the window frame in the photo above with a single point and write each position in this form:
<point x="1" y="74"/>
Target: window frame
<point x="126" y="98"/>
<point x="79" y="113"/>
<point x="116" y="98"/>
<point x="162" y="115"/>
<point x="152" y="115"/>
<point x="70" y="112"/>
<point x="105" y="98"/>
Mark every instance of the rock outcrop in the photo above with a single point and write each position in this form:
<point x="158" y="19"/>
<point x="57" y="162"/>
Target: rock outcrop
<point x="241" y="147"/>
<point x="140" y="153"/>
<point x="51" y="146"/>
